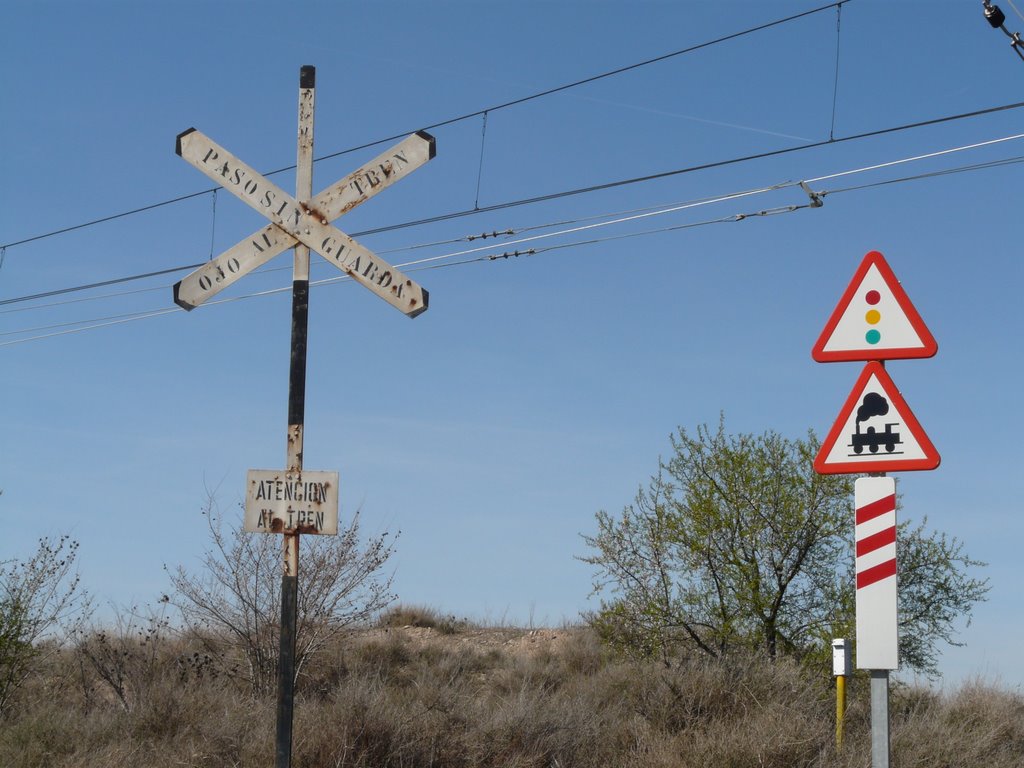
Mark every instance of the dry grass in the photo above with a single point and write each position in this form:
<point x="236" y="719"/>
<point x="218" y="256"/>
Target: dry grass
<point x="405" y="695"/>
<point x="401" y="616"/>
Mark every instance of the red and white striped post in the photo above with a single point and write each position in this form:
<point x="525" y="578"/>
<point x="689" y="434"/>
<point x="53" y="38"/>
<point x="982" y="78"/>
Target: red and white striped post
<point x="877" y="617"/>
<point x="875" y="537"/>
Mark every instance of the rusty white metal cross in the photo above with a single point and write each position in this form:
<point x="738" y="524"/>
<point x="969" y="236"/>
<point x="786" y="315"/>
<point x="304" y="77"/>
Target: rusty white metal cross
<point x="303" y="222"/>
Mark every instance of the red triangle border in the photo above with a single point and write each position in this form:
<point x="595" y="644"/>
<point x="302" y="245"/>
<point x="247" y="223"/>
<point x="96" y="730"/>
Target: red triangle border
<point x="931" y="458"/>
<point x="876" y="259"/>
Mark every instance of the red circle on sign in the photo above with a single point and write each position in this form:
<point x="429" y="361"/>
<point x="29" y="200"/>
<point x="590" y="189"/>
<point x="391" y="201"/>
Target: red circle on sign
<point x="872" y="297"/>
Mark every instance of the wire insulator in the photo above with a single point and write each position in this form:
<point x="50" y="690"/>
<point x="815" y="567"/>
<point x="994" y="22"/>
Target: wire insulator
<point x="996" y="18"/>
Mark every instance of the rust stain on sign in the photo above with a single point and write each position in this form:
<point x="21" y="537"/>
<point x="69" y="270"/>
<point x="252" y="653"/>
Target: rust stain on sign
<point x="288" y="502"/>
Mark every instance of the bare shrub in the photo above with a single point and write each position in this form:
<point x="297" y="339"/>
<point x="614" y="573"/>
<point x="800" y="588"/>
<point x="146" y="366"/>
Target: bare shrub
<point x="40" y="599"/>
<point x="232" y="603"/>
<point x="129" y="657"/>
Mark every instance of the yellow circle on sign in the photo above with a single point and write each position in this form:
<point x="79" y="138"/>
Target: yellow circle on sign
<point x="873" y="316"/>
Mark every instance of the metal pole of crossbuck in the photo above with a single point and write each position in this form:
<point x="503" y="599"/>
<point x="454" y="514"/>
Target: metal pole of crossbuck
<point x="296" y="423"/>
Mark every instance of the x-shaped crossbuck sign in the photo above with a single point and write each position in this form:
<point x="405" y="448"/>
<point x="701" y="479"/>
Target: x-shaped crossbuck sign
<point x="306" y="222"/>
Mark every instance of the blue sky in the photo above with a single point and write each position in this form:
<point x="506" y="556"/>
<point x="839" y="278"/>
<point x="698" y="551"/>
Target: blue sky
<point x="536" y="390"/>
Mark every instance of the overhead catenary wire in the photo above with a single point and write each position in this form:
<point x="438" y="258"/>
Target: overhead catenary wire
<point x="743" y="216"/>
<point x="426" y="264"/>
<point x="733" y="196"/>
<point x="213" y="222"/>
<point x="630" y="215"/>
<point x="835" y="82"/>
<point x="480" y="168"/>
<point x="579" y="190"/>
<point x="196" y="265"/>
<point x="914" y="158"/>
<point x="85" y="299"/>
<point x="111" y="217"/>
<point x="930" y="175"/>
<point x="127" y="319"/>
<point x="736" y="217"/>
<point x="557" y="195"/>
<point x="610" y="222"/>
<point x="66" y="328"/>
<point x="494" y="234"/>
<point x="690" y="169"/>
<point x="570" y="192"/>
<point x="97" y="284"/>
<point x="459" y="118"/>
<point x="635" y="213"/>
<point x="602" y="76"/>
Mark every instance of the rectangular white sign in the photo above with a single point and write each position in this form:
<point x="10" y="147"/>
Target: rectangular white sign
<point x="875" y="540"/>
<point x="278" y="501"/>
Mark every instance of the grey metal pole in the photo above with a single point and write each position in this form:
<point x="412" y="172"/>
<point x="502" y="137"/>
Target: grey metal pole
<point x="296" y="425"/>
<point x="879" y="718"/>
<point x="880" y="750"/>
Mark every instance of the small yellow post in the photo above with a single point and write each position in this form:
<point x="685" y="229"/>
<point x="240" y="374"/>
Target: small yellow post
<point x="840" y="709"/>
<point x="842" y="666"/>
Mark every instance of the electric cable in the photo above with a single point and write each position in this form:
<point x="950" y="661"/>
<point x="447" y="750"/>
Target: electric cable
<point x="424" y="265"/>
<point x="111" y="217"/>
<point x="213" y="223"/>
<point x="610" y="222"/>
<point x="835" y="83"/>
<point x="480" y="168"/>
<point x="689" y="169"/>
<point x="99" y="284"/>
<point x="267" y="269"/>
<point x="595" y="78"/>
<point x="85" y="299"/>
<point x="931" y="175"/>
<point x="926" y="156"/>
<point x="460" y="118"/>
<point x="640" y="212"/>
<point x="523" y="202"/>
<point x="581" y="190"/>
<point x="103" y="322"/>
<point x="470" y="238"/>
<point x="556" y="195"/>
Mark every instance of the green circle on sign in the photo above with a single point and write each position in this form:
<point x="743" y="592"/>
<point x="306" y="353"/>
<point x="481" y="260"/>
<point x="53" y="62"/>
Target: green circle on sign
<point x="873" y="336"/>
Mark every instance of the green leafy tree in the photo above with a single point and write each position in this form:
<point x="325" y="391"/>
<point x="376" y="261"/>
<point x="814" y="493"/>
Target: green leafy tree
<point x="738" y="543"/>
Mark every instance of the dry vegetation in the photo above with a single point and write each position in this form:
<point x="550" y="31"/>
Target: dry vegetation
<point x="420" y="689"/>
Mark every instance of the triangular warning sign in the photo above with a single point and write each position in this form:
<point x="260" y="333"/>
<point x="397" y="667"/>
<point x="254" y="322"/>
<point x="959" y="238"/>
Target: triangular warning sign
<point x="874" y="320"/>
<point x="876" y="431"/>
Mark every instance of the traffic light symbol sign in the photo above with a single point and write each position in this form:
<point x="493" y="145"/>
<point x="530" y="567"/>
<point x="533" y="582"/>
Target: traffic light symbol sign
<point x="874" y="320"/>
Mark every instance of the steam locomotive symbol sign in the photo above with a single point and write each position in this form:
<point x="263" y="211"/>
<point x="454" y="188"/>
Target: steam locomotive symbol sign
<point x="873" y="405"/>
<point x="876" y="431"/>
